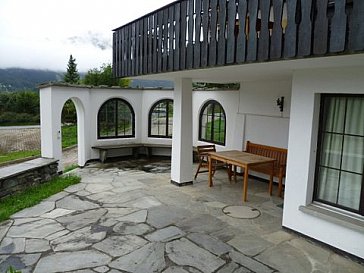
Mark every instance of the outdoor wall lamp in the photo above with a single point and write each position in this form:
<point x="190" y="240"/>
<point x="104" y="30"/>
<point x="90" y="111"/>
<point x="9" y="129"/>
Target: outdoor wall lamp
<point x="280" y="103"/>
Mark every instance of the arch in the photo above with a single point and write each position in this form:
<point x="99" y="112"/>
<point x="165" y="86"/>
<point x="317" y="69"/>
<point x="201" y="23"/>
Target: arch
<point x="160" y="119"/>
<point x="115" y="119"/>
<point x="212" y="123"/>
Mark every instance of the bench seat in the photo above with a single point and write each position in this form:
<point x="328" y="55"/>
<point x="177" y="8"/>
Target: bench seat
<point x="279" y="154"/>
<point x="103" y="149"/>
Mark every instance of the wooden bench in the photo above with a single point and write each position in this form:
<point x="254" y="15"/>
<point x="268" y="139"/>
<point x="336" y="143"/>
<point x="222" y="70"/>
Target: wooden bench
<point x="103" y="149"/>
<point x="279" y="154"/>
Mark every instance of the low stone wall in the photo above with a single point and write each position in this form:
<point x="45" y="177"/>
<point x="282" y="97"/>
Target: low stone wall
<point x="20" y="176"/>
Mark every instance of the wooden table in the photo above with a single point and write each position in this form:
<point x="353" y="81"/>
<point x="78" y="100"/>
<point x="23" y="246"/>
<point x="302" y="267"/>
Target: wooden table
<point x="240" y="159"/>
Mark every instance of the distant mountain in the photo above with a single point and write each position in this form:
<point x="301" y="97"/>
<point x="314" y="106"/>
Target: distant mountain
<point x="18" y="79"/>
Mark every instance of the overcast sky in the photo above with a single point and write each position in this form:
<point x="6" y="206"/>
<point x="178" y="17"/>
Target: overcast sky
<point x="43" y="33"/>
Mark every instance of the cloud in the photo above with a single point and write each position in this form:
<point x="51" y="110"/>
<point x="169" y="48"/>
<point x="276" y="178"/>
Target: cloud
<point x="95" y="39"/>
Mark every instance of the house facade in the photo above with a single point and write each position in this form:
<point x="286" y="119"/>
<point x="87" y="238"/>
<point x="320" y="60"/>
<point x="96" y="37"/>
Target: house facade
<point x="308" y="52"/>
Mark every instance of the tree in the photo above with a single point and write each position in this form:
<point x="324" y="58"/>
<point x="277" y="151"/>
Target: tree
<point x="71" y="75"/>
<point x="104" y="76"/>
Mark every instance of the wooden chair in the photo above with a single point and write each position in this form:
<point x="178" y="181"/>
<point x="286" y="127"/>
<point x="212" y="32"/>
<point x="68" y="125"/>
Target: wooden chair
<point x="202" y="155"/>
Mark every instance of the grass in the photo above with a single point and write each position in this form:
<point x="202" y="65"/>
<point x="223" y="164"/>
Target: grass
<point x="34" y="195"/>
<point x="69" y="138"/>
<point x="5" y="157"/>
<point x="70" y="168"/>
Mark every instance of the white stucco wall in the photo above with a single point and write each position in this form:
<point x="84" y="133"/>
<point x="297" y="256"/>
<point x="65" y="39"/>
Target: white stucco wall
<point x="306" y="87"/>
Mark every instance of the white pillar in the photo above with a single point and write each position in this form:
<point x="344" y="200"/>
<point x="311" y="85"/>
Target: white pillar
<point x="181" y="169"/>
<point x="50" y="121"/>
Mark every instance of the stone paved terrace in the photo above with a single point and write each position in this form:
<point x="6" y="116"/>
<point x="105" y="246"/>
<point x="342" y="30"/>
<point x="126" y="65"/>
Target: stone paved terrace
<point x="121" y="219"/>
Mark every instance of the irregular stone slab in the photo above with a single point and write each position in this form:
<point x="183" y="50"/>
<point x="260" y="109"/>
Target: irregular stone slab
<point x="203" y="223"/>
<point x="57" y="213"/>
<point x="12" y="245"/>
<point x="57" y="196"/>
<point x="23" y="262"/>
<point x="149" y="258"/>
<point x="35" y="211"/>
<point x="277" y="237"/>
<point x="36" y="245"/>
<point x="117" y="246"/>
<point x="67" y="261"/>
<point x="241" y="212"/>
<point x="113" y="215"/>
<point x="144" y="203"/>
<point x="98" y="179"/>
<point x="37" y="229"/>
<point x="75" y="188"/>
<point x="136" y="217"/>
<point x="4" y="227"/>
<point x="252" y="264"/>
<point x="116" y="198"/>
<point x="77" y="240"/>
<point x="233" y="268"/>
<point x="165" y="234"/>
<point x="250" y="245"/>
<point x="80" y="220"/>
<point x="175" y="269"/>
<point x="96" y="188"/>
<point x="20" y="221"/>
<point x="126" y="188"/>
<point x="102" y="269"/>
<point x="163" y="216"/>
<point x="74" y="203"/>
<point x="138" y="229"/>
<point x="184" y="252"/>
<point x="210" y="243"/>
<point x="215" y="204"/>
<point x="57" y="235"/>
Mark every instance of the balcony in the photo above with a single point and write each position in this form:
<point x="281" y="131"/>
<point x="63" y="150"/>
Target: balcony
<point x="195" y="34"/>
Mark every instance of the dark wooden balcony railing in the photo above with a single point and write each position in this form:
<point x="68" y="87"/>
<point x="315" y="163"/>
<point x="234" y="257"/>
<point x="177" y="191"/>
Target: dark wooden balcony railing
<point x="192" y="34"/>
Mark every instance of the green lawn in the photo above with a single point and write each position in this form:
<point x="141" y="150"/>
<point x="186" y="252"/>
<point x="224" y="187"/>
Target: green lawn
<point x="69" y="138"/>
<point x="34" y="195"/>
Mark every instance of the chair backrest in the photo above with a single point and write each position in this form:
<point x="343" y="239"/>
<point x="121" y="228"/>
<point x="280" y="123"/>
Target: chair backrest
<point x="280" y="154"/>
<point x="203" y="150"/>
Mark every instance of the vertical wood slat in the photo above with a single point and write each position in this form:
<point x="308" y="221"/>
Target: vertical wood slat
<point x="252" y="37"/>
<point x="170" y="38"/>
<point x="338" y="27"/>
<point x="141" y="46"/>
<point x="165" y="41"/>
<point x="136" y="59"/>
<point x="277" y="32"/>
<point x="356" y="37"/>
<point x="290" y="36"/>
<point x="305" y="29"/>
<point x="197" y="45"/>
<point x="189" y="61"/>
<point x="145" y="47"/>
<point x="177" y="33"/>
<point x="221" y="45"/>
<point x="155" y="43"/>
<point x="128" y="45"/>
<point x="132" y="49"/>
<point x="213" y="27"/>
<point x="205" y="32"/>
<point x="230" y="43"/>
<point x="160" y="41"/>
<point x="115" y="53"/>
<point x="263" y="42"/>
<point x="320" y="28"/>
<point x="183" y="34"/>
<point x="241" y="37"/>
<point x="122" y="66"/>
<point x="150" y="43"/>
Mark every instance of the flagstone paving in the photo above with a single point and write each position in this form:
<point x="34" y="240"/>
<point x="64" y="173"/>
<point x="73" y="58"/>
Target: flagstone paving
<point x="125" y="220"/>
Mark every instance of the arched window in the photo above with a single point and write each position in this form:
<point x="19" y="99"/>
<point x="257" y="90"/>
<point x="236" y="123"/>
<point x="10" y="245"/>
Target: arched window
<point x="212" y="127"/>
<point x="161" y="119"/>
<point x="116" y="119"/>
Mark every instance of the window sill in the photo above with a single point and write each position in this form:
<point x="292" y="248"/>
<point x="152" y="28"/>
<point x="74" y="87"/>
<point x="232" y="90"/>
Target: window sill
<point x="339" y="217"/>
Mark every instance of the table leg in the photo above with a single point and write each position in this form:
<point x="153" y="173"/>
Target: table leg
<point x="245" y="186"/>
<point x="210" y="171"/>
<point x="271" y="180"/>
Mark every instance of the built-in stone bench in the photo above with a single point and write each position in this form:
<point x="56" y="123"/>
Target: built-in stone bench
<point x="17" y="177"/>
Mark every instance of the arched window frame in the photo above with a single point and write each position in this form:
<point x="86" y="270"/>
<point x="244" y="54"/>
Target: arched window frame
<point x="117" y="101"/>
<point x="152" y="109"/>
<point x="212" y="139"/>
